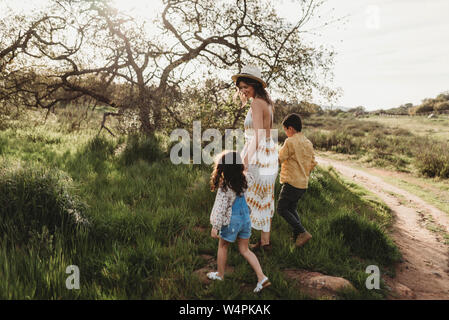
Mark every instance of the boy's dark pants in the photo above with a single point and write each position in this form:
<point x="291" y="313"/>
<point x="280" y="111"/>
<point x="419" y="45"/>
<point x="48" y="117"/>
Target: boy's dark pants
<point x="287" y="204"/>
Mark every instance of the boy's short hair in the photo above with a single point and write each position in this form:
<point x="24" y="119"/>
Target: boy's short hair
<point x="293" y="120"/>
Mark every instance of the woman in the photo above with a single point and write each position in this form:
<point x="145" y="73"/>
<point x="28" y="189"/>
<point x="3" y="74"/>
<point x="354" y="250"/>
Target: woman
<point x="259" y="153"/>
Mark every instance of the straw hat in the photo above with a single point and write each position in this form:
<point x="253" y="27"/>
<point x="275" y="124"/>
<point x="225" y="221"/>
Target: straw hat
<point x="252" y="72"/>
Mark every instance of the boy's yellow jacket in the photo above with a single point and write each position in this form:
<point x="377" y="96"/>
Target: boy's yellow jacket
<point x="297" y="161"/>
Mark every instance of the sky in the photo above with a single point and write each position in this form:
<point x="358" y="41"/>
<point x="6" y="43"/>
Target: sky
<point x="389" y="52"/>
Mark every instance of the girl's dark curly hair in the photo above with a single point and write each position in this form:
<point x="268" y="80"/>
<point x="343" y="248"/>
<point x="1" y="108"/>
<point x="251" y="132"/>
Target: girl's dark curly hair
<point x="228" y="173"/>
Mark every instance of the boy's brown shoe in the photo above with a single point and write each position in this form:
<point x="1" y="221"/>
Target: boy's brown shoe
<point x="302" y="238"/>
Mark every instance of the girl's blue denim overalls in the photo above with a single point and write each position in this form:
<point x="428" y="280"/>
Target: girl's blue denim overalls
<point x="240" y="225"/>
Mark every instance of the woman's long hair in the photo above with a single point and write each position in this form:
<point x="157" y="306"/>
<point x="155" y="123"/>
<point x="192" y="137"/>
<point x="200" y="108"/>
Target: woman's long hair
<point x="228" y="173"/>
<point x="259" y="90"/>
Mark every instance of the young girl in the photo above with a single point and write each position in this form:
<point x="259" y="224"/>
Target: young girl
<point x="230" y="216"/>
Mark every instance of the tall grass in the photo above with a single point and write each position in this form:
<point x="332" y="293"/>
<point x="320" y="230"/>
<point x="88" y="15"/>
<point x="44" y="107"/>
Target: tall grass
<point x="37" y="202"/>
<point x="149" y="225"/>
<point x="433" y="159"/>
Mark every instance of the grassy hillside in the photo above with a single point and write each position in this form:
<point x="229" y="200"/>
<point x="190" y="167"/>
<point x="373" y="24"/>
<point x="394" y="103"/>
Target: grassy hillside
<point x="381" y="145"/>
<point x="136" y="225"/>
<point x="434" y="128"/>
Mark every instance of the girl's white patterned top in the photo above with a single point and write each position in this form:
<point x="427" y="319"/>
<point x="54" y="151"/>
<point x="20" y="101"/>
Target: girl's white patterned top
<point x="222" y="210"/>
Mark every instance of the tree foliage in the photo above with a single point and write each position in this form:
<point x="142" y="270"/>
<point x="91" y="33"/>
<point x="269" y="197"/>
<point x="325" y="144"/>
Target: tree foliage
<point x="80" y="49"/>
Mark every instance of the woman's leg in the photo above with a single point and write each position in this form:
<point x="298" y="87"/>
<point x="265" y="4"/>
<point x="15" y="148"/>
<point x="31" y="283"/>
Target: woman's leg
<point x="265" y="238"/>
<point x="222" y="255"/>
<point x="251" y="258"/>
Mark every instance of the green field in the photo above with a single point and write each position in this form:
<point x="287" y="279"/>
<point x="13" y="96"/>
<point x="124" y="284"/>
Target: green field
<point x="379" y="144"/>
<point x="435" y="128"/>
<point x="148" y="222"/>
<point x="413" y="152"/>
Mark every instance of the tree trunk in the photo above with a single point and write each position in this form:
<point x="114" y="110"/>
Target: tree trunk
<point x="144" y="115"/>
<point x="157" y="102"/>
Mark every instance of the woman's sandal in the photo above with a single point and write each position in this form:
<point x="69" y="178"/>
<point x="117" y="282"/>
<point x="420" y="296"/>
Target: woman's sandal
<point x="214" y="276"/>
<point x="262" y="285"/>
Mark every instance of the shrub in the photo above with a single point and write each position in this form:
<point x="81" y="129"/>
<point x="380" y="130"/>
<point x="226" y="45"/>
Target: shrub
<point x="355" y="132"/>
<point x="142" y="147"/>
<point x="376" y="143"/>
<point x="341" y="142"/>
<point x="282" y="136"/>
<point x="90" y="157"/>
<point x="442" y="106"/>
<point x="443" y="96"/>
<point x="427" y="107"/>
<point x="400" y="132"/>
<point x="3" y="144"/>
<point x="432" y="160"/>
<point x="37" y="202"/>
<point x="318" y="139"/>
<point x="99" y="148"/>
<point x="346" y="143"/>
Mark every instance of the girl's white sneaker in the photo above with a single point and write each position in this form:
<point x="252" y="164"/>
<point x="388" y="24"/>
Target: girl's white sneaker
<point x="262" y="284"/>
<point x="214" y="276"/>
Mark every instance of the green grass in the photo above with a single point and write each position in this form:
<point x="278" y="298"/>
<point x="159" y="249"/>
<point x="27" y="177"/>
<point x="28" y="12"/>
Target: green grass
<point x="143" y="240"/>
<point x="435" y="128"/>
<point x="393" y="147"/>
<point x="433" y="191"/>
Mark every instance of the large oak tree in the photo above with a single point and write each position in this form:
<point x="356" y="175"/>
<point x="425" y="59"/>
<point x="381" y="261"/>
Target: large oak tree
<point x="86" y="49"/>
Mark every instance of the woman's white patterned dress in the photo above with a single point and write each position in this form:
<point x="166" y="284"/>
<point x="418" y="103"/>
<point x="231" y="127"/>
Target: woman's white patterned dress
<point x="264" y="168"/>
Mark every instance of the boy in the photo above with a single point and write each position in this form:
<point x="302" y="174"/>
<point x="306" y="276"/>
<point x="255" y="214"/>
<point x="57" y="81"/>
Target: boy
<point x="297" y="161"/>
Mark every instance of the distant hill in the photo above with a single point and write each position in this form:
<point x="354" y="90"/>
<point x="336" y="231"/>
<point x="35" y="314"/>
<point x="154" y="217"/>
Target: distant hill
<point x="334" y="108"/>
<point x="440" y="104"/>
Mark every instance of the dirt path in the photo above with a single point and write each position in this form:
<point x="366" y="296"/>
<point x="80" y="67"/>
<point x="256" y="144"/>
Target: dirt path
<point x="425" y="269"/>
